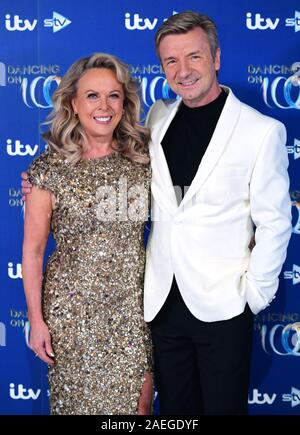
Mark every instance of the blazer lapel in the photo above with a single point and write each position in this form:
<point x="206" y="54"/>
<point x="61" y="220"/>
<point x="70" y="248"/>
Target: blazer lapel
<point x="225" y="126"/>
<point x="162" y="186"/>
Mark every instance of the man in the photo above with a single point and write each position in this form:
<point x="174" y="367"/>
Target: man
<point x="202" y="282"/>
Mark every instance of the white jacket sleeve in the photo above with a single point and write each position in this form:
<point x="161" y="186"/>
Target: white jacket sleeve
<point x="271" y="213"/>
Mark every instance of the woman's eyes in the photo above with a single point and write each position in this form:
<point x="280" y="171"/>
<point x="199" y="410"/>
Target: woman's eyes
<point x="93" y="96"/>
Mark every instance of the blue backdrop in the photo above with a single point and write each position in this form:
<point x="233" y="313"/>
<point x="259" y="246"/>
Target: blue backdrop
<point x="39" y="39"/>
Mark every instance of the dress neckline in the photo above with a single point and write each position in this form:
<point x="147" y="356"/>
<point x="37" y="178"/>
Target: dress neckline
<point x="102" y="158"/>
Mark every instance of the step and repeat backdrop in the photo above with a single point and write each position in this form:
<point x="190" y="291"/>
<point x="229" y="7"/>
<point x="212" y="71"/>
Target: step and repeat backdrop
<point x="260" y="61"/>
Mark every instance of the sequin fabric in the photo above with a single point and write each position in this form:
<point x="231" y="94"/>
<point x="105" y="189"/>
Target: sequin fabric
<point x="92" y="292"/>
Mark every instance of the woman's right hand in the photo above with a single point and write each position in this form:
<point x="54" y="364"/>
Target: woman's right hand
<point x="146" y="398"/>
<point x="26" y="186"/>
<point x="40" y="342"/>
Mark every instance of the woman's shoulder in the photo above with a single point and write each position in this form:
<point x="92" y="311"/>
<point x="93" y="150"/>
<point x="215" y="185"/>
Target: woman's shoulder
<point x="44" y="169"/>
<point x="48" y="160"/>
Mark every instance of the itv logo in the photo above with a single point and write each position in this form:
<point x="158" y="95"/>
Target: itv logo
<point x="261" y="398"/>
<point x="138" y="23"/>
<point x="19" y="392"/>
<point x="16" y="23"/>
<point x="16" y="148"/>
<point x="259" y="23"/>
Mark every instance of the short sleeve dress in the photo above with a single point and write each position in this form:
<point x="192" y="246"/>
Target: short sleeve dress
<point x="93" y="283"/>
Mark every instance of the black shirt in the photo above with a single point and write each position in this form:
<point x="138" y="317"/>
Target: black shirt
<point x="187" y="138"/>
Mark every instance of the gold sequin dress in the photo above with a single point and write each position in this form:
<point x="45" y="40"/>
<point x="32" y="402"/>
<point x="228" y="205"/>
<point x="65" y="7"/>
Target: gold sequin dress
<point x="92" y="293"/>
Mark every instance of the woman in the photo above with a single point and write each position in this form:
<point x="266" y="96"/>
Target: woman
<point x="91" y="187"/>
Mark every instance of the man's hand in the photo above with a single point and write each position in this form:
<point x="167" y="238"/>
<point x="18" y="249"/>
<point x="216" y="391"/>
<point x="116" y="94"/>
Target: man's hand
<point x="26" y="186"/>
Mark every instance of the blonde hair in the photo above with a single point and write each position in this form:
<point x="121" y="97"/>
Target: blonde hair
<point x="183" y="22"/>
<point x="65" y="133"/>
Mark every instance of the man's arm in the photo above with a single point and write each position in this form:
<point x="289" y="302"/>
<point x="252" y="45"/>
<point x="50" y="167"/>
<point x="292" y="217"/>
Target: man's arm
<point x="271" y="213"/>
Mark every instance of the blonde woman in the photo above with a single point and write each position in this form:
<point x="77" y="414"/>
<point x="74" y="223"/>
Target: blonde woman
<point x="91" y="188"/>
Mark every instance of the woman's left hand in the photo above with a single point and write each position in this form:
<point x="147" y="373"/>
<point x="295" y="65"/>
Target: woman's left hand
<point x="145" y="402"/>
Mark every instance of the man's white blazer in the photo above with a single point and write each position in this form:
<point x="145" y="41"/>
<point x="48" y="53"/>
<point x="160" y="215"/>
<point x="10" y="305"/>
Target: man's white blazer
<point x="241" y="184"/>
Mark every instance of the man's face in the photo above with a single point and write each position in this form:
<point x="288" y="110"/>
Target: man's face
<point x="189" y="67"/>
